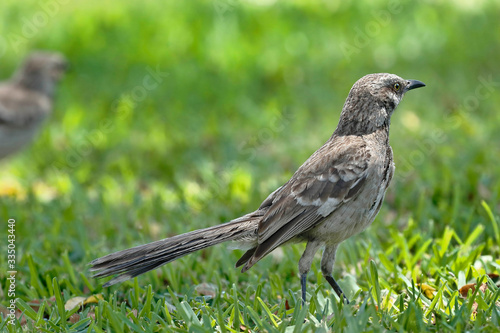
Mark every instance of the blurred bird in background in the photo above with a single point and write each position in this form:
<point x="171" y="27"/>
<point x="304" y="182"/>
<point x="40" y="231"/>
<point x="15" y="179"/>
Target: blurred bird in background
<point x="27" y="99"/>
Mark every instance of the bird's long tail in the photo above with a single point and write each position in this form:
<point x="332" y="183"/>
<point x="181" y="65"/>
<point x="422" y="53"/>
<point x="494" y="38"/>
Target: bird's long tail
<point x="132" y="262"/>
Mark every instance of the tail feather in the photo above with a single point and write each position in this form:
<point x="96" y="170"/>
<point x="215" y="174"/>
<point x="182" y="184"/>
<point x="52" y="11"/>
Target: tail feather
<point x="135" y="261"/>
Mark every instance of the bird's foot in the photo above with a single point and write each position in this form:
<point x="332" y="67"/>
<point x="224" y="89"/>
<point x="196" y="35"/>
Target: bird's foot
<point x="336" y="288"/>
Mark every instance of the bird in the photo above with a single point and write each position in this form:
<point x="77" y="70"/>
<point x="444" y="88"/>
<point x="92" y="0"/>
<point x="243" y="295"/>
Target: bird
<point x="334" y="195"/>
<point x="27" y="98"/>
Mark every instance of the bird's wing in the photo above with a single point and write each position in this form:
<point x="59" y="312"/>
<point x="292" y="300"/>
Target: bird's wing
<point x="332" y="176"/>
<point x="19" y="107"/>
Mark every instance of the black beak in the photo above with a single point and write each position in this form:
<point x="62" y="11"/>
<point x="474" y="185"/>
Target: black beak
<point x="414" y="84"/>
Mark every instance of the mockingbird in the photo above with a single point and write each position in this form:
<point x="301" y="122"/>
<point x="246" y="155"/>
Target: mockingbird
<point x="26" y="99"/>
<point x="334" y="195"/>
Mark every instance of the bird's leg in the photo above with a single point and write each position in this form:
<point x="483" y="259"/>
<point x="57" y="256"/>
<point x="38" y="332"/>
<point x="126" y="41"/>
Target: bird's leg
<point x="303" y="279"/>
<point x="327" y="262"/>
<point x="305" y="265"/>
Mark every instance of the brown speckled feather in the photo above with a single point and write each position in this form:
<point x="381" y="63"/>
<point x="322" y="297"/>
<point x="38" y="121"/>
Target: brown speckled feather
<point x="332" y="176"/>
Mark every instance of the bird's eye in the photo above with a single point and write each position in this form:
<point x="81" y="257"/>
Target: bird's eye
<point x="397" y="86"/>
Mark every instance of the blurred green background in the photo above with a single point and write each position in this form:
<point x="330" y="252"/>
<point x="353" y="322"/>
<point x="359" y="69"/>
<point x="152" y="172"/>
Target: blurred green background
<point x="244" y="92"/>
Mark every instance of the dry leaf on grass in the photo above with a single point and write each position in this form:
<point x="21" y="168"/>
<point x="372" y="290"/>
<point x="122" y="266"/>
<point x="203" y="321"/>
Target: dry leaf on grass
<point x="465" y="289"/>
<point x="93" y="299"/>
<point x="493" y="276"/>
<point x="472" y="286"/>
<point x="427" y="290"/>
<point x="206" y="289"/>
<point x="74" y="302"/>
<point x="81" y="301"/>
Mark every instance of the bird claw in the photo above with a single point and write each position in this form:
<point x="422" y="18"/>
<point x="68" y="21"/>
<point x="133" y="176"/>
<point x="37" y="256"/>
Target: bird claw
<point x="336" y="288"/>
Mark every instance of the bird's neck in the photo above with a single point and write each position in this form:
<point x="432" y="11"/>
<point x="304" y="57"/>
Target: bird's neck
<point x="360" y="122"/>
<point x="35" y="82"/>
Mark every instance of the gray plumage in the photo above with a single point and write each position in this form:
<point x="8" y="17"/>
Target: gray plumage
<point x="26" y="99"/>
<point x="334" y="195"/>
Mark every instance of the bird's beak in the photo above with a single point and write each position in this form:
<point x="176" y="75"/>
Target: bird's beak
<point x="413" y="84"/>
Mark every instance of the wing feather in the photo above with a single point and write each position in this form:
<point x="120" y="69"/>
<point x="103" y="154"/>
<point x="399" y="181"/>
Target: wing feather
<point x="335" y="174"/>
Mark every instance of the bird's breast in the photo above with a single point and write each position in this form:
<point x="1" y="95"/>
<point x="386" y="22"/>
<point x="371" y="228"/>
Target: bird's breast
<point x="356" y="215"/>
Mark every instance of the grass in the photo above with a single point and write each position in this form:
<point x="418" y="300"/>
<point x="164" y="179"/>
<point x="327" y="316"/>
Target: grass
<point x="246" y="93"/>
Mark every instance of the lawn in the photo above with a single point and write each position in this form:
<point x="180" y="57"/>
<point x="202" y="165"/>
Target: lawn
<point x="243" y="93"/>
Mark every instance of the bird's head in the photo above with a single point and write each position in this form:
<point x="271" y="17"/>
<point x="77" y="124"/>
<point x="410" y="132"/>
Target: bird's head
<point x="371" y="102"/>
<point x="42" y="70"/>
